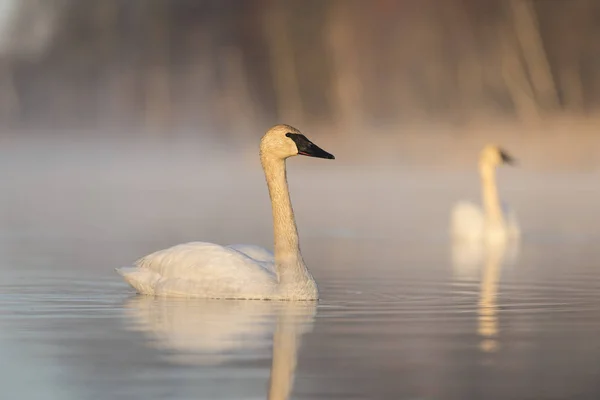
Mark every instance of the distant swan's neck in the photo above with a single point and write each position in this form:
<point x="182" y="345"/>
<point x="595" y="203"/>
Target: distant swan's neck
<point x="491" y="200"/>
<point x="289" y="264"/>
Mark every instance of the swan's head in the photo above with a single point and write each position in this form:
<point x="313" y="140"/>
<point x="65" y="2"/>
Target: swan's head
<point x="493" y="155"/>
<point x="283" y="141"/>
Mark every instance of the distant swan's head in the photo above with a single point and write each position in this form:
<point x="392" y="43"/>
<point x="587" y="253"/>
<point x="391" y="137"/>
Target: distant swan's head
<point x="283" y="141"/>
<point x="493" y="156"/>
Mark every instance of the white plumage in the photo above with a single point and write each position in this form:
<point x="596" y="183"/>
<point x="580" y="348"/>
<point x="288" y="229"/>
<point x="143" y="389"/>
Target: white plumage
<point x="200" y="269"/>
<point x="207" y="270"/>
<point x="468" y="222"/>
<point x="483" y="234"/>
<point x="494" y="222"/>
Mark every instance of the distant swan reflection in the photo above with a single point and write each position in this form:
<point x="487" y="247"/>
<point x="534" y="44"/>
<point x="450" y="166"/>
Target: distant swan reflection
<point x="488" y="305"/>
<point x="210" y="332"/>
<point x="484" y="262"/>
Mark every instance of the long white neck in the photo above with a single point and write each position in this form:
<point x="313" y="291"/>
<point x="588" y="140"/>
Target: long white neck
<point x="491" y="200"/>
<point x="290" y="267"/>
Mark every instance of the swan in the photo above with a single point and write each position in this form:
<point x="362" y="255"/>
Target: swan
<point x="207" y="270"/>
<point x="494" y="223"/>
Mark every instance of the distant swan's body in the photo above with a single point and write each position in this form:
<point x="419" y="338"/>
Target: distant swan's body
<point x="469" y="224"/>
<point x="494" y="222"/>
<point x="207" y="270"/>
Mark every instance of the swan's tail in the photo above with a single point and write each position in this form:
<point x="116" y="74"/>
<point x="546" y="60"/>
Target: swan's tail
<point x="141" y="279"/>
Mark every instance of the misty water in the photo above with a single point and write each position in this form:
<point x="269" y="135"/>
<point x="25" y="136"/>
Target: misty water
<point x="403" y="315"/>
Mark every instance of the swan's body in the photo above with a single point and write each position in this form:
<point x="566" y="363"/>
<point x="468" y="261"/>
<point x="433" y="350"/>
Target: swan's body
<point x="200" y="269"/>
<point x="494" y="222"/>
<point x="469" y="224"/>
<point x="469" y="255"/>
<point x="207" y="270"/>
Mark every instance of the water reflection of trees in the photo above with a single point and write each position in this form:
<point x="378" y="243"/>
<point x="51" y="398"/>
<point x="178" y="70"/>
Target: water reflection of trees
<point x="166" y="63"/>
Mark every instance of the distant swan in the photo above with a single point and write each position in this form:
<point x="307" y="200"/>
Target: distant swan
<point x="469" y="222"/>
<point x="206" y="270"/>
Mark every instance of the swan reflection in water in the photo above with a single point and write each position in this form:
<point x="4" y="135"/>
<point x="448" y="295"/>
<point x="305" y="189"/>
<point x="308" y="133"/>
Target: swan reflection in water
<point x="488" y="305"/>
<point x="484" y="262"/>
<point x="211" y="332"/>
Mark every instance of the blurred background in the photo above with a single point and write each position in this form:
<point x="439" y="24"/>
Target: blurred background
<point x="404" y="74"/>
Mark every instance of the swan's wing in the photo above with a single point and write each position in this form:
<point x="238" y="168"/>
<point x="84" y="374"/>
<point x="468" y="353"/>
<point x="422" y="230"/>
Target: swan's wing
<point x="256" y="252"/>
<point x="195" y="260"/>
<point x="200" y="269"/>
<point x="261" y="255"/>
<point x="467" y="221"/>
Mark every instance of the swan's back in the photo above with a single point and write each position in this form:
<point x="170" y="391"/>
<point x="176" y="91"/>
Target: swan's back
<point x="468" y="224"/>
<point x="200" y="269"/>
<point x="255" y="252"/>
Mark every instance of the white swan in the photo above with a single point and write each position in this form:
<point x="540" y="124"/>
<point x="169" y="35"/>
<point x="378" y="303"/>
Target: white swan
<point x="494" y="223"/>
<point x="206" y="270"/>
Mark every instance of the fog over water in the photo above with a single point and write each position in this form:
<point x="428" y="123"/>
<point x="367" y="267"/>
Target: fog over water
<point x="402" y="315"/>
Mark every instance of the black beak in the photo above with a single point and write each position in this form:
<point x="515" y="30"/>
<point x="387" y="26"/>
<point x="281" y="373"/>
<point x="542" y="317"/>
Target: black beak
<point x="308" y="148"/>
<point x="507" y="158"/>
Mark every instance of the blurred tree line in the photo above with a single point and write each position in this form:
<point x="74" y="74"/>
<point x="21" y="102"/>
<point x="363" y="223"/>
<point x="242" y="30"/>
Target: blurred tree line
<point x="230" y="65"/>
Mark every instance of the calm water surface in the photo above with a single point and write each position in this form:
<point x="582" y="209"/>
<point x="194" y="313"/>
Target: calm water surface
<point x="402" y="316"/>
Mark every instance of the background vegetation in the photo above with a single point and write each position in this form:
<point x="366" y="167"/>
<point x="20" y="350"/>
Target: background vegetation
<point x="232" y="66"/>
